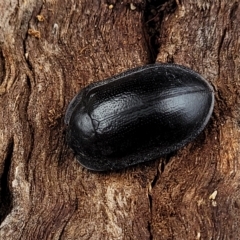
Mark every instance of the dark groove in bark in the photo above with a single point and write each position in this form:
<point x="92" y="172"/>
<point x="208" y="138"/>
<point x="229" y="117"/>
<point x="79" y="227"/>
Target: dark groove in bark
<point x="155" y="10"/>
<point x="30" y="82"/>
<point x="149" y="226"/>
<point x="220" y="49"/>
<point x="26" y="53"/>
<point x="2" y="67"/>
<point x="150" y="231"/>
<point x="233" y="11"/>
<point x="157" y="176"/>
<point x="5" y="192"/>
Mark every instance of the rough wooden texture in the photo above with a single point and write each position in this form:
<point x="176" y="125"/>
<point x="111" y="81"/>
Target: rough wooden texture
<point x="49" y="50"/>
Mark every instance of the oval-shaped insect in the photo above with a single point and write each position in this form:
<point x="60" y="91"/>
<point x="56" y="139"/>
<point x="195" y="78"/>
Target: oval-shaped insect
<point x="138" y="115"/>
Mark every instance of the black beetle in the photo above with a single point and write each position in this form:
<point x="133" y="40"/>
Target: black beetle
<point x="138" y="115"/>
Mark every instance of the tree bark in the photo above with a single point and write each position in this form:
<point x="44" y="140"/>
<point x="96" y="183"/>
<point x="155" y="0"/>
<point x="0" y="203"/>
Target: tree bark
<point x="49" y="50"/>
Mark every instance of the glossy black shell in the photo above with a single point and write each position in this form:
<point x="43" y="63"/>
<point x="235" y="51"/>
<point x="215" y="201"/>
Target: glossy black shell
<point x="137" y="116"/>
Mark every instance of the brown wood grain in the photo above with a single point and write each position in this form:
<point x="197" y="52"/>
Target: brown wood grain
<point x="49" y="50"/>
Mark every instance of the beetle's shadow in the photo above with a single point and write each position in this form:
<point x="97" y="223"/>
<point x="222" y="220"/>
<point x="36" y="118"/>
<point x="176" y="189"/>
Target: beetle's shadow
<point x="162" y="162"/>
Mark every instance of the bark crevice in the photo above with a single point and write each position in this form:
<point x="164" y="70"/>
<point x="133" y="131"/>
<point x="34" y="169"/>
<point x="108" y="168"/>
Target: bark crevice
<point x="6" y="199"/>
<point x="154" y="13"/>
<point x="2" y="67"/>
<point x="47" y="194"/>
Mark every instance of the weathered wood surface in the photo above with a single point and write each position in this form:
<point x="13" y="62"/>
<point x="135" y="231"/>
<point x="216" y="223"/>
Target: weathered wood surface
<point x="49" y="50"/>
